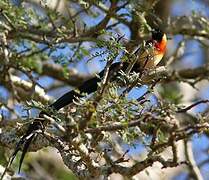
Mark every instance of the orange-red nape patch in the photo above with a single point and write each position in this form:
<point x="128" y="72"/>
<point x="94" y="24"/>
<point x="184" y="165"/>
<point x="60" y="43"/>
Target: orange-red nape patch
<point x="161" y="46"/>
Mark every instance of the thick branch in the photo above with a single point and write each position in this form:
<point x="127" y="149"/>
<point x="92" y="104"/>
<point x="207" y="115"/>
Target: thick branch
<point x="72" y="77"/>
<point x="25" y="89"/>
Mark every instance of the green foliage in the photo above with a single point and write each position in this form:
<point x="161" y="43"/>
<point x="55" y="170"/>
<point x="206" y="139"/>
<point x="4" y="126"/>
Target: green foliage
<point x="32" y="63"/>
<point x="34" y="36"/>
<point x="3" y="159"/>
<point x="171" y="93"/>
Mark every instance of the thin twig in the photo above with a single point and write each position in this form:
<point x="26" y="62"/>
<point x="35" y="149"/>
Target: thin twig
<point x="183" y="110"/>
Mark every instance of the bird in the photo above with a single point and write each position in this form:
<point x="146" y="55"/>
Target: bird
<point x="155" y="49"/>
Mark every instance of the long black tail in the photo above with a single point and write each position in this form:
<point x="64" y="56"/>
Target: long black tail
<point x="18" y="148"/>
<point x="25" y="141"/>
<point x="87" y="87"/>
<point x="25" y="149"/>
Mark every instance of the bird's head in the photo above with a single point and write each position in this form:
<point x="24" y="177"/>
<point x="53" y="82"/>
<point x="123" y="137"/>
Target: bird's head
<point x="160" y="40"/>
<point x="157" y="35"/>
